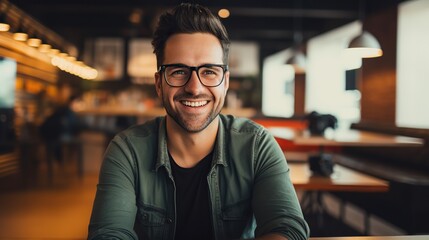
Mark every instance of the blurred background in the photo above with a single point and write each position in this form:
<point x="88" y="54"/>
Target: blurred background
<point x="75" y="73"/>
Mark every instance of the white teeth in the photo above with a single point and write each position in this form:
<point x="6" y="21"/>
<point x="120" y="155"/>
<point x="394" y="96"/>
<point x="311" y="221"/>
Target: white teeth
<point x="194" y="104"/>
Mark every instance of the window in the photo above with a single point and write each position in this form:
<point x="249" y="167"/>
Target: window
<point x="412" y="65"/>
<point x="326" y="76"/>
<point x="278" y="86"/>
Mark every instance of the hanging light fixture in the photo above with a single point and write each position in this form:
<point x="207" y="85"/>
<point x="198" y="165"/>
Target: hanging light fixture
<point x="44" y="48"/>
<point x="298" y="59"/>
<point x="53" y="51"/>
<point x="4" y="26"/>
<point x="20" y="35"/>
<point x="34" y="41"/>
<point x="365" y="45"/>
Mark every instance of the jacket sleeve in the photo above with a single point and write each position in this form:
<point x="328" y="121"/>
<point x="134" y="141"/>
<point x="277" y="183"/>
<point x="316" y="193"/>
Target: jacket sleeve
<point x="114" y="210"/>
<point x="275" y="203"/>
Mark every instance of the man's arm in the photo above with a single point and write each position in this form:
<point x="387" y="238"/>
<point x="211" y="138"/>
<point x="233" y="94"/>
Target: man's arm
<point x="275" y="204"/>
<point x="272" y="236"/>
<point x="114" y="209"/>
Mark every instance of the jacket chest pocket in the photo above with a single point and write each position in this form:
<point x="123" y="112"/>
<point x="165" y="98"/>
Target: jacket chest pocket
<point x="152" y="223"/>
<point x="236" y="218"/>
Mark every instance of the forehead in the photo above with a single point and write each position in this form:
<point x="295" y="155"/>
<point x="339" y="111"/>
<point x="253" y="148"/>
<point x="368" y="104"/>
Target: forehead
<point x="193" y="49"/>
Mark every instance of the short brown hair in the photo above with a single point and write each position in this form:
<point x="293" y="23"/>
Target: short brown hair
<point x="188" y="18"/>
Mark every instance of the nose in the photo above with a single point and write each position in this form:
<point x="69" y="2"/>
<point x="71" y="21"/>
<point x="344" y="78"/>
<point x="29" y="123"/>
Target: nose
<point x="194" y="85"/>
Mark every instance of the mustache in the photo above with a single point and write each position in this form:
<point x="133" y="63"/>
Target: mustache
<point x="187" y="96"/>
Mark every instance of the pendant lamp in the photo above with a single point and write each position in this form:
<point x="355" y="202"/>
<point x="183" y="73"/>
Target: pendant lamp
<point x="365" y="45"/>
<point x="4" y="26"/>
<point x="34" y="41"/>
<point x="20" y="35"/>
<point x="298" y="59"/>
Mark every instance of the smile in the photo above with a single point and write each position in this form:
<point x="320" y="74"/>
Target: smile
<point x="194" y="104"/>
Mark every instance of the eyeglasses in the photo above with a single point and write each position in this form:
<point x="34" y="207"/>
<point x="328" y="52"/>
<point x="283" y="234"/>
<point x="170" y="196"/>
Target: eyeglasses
<point x="178" y="75"/>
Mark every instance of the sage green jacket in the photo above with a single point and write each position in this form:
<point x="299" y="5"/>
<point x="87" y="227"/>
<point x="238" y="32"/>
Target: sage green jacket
<point x="250" y="191"/>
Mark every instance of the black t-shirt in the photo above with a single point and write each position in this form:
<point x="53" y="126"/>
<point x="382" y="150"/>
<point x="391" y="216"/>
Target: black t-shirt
<point x="194" y="219"/>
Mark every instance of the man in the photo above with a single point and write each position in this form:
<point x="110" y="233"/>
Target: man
<point x="194" y="174"/>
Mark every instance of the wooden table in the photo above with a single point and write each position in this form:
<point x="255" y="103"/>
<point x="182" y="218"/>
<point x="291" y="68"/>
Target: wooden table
<point x="345" y="138"/>
<point x="343" y="179"/>
<point x="406" y="237"/>
<point x="150" y="112"/>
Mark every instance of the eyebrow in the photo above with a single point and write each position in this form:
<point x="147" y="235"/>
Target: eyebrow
<point x="185" y="65"/>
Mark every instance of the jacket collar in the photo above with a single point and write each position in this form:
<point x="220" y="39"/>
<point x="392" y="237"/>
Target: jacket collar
<point x="219" y="154"/>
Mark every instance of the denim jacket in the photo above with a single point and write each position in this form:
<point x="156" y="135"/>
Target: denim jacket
<point x="250" y="191"/>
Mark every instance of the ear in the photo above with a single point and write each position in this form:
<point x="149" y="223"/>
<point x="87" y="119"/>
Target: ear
<point x="226" y="82"/>
<point x="158" y="83"/>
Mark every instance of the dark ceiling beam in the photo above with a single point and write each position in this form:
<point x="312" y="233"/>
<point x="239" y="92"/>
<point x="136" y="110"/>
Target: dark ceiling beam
<point x="294" y="13"/>
<point x="77" y="9"/>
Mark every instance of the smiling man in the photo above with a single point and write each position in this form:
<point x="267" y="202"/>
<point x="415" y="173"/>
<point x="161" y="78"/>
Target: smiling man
<point x="195" y="174"/>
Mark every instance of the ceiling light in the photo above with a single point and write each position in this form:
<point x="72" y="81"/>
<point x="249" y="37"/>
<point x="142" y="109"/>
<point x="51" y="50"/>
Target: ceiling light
<point x="365" y="46"/>
<point x="20" y="35"/>
<point x="223" y="13"/>
<point x="297" y="61"/>
<point x="62" y="54"/>
<point x="54" y="51"/>
<point x="4" y="26"/>
<point x="34" y="41"/>
<point x="71" y="58"/>
<point x="136" y="16"/>
<point x="44" y="48"/>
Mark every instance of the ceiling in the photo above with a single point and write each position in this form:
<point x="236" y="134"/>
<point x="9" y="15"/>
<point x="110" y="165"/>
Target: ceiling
<point x="271" y="23"/>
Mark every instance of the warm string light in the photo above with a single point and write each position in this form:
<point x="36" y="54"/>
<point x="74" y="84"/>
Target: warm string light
<point x="62" y="60"/>
<point x="34" y="41"/>
<point x="4" y="26"/>
<point x="44" y="48"/>
<point x="20" y="35"/>
<point x="69" y="64"/>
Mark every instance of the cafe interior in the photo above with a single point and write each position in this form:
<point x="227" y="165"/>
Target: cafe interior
<point x="341" y="85"/>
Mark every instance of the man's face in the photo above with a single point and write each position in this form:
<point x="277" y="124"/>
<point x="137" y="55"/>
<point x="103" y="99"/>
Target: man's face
<point x="193" y="106"/>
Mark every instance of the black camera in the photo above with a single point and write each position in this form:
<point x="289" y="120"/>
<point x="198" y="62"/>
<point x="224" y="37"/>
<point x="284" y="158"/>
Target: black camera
<point x="322" y="164"/>
<point x="318" y="123"/>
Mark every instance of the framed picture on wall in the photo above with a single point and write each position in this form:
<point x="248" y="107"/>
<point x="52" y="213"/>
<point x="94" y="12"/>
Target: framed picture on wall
<point x="141" y="61"/>
<point x="109" y="58"/>
<point x="243" y="59"/>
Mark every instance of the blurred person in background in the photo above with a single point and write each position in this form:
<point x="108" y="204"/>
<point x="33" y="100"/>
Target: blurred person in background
<point x="195" y="173"/>
<point x="60" y="129"/>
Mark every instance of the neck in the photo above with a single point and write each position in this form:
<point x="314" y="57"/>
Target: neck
<point x="189" y="148"/>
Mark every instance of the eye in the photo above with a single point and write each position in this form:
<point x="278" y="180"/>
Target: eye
<point x="208" y="72"/>
<point x="213" y="71"/>
<point x="176" y="71"/>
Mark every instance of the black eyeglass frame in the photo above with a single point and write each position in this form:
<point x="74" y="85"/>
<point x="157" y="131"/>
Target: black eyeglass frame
<point x="193" y="68"/>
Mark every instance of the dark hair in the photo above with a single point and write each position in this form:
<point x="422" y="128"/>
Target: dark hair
<point x="188" y="18"/>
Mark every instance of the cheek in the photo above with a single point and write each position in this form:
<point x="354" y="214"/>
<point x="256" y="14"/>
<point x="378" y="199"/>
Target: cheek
<point x="221" y="94"/>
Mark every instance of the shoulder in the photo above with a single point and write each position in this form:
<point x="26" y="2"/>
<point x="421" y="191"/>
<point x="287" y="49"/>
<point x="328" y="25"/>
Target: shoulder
<point x="147" y="129"/>
<point x="240" y="125"/>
